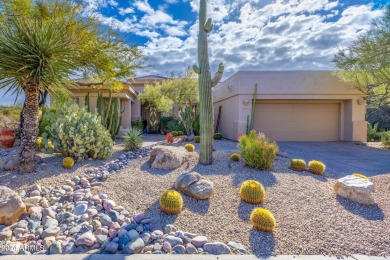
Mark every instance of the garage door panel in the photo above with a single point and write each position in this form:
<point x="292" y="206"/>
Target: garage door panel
<point x="298" y="121"/>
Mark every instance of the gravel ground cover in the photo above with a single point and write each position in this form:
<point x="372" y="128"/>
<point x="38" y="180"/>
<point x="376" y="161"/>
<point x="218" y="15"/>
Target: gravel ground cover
<point x="310" y="218"/>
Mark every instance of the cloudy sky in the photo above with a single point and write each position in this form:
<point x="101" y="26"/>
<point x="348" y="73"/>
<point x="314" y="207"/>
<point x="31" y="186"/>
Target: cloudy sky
<point x="247" y="35"/>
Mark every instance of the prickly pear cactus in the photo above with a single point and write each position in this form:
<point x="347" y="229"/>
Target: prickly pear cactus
<point x="205" y="87"/>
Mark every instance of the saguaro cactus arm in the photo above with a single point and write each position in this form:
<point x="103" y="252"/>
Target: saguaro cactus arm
<point x="208" y="26"/>
<point x="218" y="75"/>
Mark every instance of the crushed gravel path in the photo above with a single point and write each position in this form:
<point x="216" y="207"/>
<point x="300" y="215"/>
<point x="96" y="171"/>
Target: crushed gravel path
<point x="310" y="218"/>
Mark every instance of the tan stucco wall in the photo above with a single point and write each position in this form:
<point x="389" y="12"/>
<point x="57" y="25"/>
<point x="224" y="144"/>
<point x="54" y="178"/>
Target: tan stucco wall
<point x="302" y="86"/>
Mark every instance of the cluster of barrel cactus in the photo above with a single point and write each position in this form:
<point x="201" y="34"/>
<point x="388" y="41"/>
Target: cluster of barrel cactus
<point x="68" y="162"/>
<point x="316" y="167"/>
<point x="297" y="165"/>
<point x="252" y="191"/>
<point x="189" y="147"/>
<point x="171" y="202"/>
<point x="262" y="220"/>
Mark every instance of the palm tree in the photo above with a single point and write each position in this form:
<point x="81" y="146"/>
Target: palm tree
<point x="34" y="56"/>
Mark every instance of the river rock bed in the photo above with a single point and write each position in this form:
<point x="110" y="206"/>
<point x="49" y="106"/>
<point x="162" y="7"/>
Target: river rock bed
<point x="70" y="219"/>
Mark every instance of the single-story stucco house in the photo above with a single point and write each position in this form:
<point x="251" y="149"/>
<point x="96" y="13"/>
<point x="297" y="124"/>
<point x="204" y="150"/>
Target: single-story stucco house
<point x="291" y="106"/>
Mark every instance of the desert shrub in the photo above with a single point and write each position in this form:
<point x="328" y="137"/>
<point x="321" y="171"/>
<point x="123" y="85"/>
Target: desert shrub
<point x="385" y="139"/>
<point x="189" y="147"/>
<point x="78" y="134"/>
<point x="171" y="202"/>
<point x="252" y="191"/>
<point x="316" y="167"/>
<point x="133" y="139"/>
<point x="197" y="139"/>
<point x="257" y="150"/>
<point x="372" y="133"/>
<point x="218" y="136"/>
<point x="164" y="120"/>
<point x="235" y="157"/>
<point x="68" y="162"/>
<point x="262" y="220"/>
<point x="180" y="133"/>
<point x="297" y="165"/>
<point x="137" y="124"/>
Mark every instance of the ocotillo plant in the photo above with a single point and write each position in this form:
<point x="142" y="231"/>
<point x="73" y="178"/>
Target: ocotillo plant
<point x="205" y="85"/>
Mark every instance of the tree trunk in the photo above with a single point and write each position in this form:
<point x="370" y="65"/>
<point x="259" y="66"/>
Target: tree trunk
<point x="29" y="129"/>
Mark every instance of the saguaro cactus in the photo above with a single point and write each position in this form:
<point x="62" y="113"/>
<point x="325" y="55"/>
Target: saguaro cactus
<point x="205" y="85"/>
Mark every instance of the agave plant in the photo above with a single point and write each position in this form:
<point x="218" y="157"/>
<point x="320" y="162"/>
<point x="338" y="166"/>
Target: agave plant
<point x="133" y="139"/>
<point x="34" y="56"/>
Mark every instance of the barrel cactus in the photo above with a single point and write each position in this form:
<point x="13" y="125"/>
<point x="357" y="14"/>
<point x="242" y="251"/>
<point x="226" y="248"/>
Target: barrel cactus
<point x="252" y="192"/>
<point x="235" y="157"/>
<point x="217" y="136"/>
<point x="68" y="162"/>
<point x="359" y="175"/>
<point x="297" y="165"/>
<point x="189" y="147"/>
<point x="262" y="220"/>
<point x="174" y="133"/>
<point x="171" y="202"/>
<point x="316" y="167"/>
<point x="206" y="84"/>
<point x="197" y="139"/>
<point x="180" y="133"/>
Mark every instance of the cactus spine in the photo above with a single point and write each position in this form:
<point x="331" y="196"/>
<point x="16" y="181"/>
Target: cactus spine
<point x="249" y="124"/>
<point x="205" y="85"/>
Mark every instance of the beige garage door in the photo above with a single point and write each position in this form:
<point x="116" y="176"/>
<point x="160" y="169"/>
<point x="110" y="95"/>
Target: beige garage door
<point x="298" y="121"/>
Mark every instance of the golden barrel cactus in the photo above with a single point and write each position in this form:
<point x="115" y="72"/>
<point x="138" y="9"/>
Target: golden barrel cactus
<point x="189" y="147"/>
<point x="197" y="139"/>
<point x="359" y="175"/>
<point x="316" y="167"/>
<point x="68" y="162"/>
<point x="252" y="192"/>
<point x="235" y="157"/>
<point x="262" y="220"/>
<point x="297" y="165"/>
<point x="171" y="202"/>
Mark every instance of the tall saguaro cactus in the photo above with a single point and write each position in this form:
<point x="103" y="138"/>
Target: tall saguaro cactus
<point x="205" y="87"/>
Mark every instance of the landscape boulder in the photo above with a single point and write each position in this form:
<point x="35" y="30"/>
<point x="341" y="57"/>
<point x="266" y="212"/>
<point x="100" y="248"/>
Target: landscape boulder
<point x="11" y="206"/>
<point x="167" y="157"/>
<point x="194" y="185"/>
<point x="356" y="189"/>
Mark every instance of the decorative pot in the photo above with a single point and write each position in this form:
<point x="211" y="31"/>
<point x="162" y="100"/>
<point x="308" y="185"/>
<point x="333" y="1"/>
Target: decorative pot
<point x="7" y="138"/>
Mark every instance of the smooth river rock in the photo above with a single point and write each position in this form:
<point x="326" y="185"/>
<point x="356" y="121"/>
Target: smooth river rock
<point x="194" y="185"/>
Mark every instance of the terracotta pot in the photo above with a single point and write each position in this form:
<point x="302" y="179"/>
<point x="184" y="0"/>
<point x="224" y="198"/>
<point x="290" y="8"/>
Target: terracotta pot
<point x="7" y="138"/>
<point x="169" y="137"/>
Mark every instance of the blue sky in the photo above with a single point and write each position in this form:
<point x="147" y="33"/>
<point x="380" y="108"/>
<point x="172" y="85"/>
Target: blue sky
<point x="247" y="35"/>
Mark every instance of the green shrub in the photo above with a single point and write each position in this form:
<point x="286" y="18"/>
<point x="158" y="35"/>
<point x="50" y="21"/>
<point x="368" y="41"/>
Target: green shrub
<point x="137" y="124"/>
<point x="164" y="120"/>
<point x="180" y="133"/>
<point x="257" y="150"/>
<point x="77" y="133"/>
<point x="133" y="139"/>
<point x="385" y="139"/>
<point x="174" y="125"/>
<point x="218" y="136"/>
<point x="197" y="139"/>
<point x="174" y="133"/>
<point x="372" y="133"/>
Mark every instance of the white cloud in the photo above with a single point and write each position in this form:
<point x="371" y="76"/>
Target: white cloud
<point x="124" y="11"/>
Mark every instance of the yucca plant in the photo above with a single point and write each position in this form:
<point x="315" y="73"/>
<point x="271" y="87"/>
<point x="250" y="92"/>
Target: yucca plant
<point x="133" y="139"/>
<point x="34" y="56"/>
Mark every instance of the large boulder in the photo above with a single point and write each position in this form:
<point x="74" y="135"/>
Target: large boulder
<point x="11" y="206"/>
<point x="167" y="157"/>
<point x="194" y="185"/>
<point x="356" y="189"/>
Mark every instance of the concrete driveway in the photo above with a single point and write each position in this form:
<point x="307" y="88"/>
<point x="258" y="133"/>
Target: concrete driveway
<point x="341" y="158"/>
